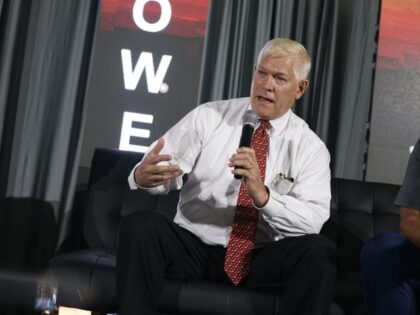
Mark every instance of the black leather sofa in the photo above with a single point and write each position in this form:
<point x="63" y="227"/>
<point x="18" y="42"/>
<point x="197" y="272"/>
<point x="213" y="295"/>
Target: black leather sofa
<point x="86" y="275"/>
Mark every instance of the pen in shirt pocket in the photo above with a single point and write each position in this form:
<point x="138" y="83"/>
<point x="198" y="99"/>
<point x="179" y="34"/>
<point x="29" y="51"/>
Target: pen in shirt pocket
<point x="282" y="183"/>
<point x="283" y="176"/>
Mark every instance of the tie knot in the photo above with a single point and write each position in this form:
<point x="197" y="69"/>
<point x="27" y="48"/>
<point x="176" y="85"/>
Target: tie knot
<point x="265" y="124"/>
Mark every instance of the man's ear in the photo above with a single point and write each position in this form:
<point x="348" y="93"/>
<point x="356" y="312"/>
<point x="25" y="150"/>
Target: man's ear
<point x="303" y="85"/>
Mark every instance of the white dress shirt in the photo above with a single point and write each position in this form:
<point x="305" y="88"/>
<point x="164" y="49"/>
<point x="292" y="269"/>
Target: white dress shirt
<point x="297" y="174"/>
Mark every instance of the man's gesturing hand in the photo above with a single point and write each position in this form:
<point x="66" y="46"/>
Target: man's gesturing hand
<point x="149" y="174"/>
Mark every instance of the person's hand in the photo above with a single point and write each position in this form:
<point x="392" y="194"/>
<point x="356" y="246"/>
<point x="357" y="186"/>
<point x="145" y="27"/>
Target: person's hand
<point x="148" y="174"/>
<point x="244" y="163"/>
<point x="410" y="225"/>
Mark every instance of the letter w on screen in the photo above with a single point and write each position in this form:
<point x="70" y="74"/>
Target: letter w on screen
<point x="145" y="62"/>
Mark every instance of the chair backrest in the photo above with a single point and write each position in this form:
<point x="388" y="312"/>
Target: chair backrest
<point x="359" y="210"/>
<point x="28" y="230"/>
<point x="109" y="198"/>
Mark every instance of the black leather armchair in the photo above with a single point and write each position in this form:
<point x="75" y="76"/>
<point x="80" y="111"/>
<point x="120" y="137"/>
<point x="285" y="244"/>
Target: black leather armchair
<point x="86" y="276"/>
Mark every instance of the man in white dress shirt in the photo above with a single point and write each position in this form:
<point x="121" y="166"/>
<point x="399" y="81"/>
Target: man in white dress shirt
<point x="292" y="201"/>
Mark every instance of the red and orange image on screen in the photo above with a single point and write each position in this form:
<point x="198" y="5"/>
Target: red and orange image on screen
<point x="188" y="18"/>
<point x="399" y="35"/>
<point x="145" y="71"/>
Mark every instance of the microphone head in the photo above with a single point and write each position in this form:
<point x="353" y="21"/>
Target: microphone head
<point x="250" y="118"/>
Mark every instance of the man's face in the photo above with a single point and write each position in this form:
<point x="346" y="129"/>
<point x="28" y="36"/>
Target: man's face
<point x="274" y="87"/>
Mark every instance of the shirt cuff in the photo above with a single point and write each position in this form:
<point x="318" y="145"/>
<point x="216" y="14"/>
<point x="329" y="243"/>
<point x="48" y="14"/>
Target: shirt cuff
<point x="268" y="200"/>
<point x="271" y="208"/>
<point x="131" y="180"/>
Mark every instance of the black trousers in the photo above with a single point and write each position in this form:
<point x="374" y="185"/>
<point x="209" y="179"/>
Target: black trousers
<point x="152" y="248"/>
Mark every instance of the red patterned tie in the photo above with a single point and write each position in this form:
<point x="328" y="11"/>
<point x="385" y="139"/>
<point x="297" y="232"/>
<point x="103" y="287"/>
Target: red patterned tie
<point x="244" y="226"/>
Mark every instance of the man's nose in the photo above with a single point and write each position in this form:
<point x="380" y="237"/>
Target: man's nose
<point x="268" y="83"/>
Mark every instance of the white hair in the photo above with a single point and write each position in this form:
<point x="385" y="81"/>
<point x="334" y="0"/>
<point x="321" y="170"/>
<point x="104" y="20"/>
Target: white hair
<point x="280" y="47"/>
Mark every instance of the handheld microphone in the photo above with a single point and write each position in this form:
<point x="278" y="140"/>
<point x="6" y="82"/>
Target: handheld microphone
<point x="250" y="120"/>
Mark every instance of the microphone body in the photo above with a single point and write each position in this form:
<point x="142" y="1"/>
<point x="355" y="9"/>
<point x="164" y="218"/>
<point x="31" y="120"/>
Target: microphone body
<point x="246" y="136"/>
<point x="250" y="120"/>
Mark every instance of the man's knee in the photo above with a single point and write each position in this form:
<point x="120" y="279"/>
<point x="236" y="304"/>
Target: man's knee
<point x="318" y="259"/>
<point x="141" y="223"/>
<point x="379" y="246"/>
<point x="321" y="249"/>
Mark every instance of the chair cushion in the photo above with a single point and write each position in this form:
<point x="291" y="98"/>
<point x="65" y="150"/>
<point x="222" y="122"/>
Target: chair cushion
<point x="86" y="279"/>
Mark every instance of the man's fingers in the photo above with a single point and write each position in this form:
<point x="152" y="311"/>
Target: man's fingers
<point x="163" y="169"/>
<point x="244" y="160"/>
<point x="240" y="171"/>
<point x="158" y="147"/>
<point x="162" y="178"/>
<point x="245" y="150"/>
<point x="155" y="159"/>
<point x="150" y="173"/>
<point x="159" y="173"/>
<point x="243" y="163"/>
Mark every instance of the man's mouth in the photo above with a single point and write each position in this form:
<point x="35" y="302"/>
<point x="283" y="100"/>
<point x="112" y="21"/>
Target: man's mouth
<point x="264" y="99"/>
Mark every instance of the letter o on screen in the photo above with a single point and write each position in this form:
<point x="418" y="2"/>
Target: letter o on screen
<point x="165" y="16"/>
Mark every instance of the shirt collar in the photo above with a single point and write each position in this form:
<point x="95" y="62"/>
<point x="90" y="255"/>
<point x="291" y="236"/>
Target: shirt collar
<point x="278" y="124"/>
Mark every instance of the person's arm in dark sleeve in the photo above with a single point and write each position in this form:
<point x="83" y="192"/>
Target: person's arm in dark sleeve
<point x="408" y="199"/>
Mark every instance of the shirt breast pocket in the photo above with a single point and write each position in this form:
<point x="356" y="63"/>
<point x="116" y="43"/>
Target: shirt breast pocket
<point x="282" y="184"/>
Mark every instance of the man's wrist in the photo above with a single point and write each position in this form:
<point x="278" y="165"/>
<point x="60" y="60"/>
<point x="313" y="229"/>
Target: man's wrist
<point x="265" y="196"/>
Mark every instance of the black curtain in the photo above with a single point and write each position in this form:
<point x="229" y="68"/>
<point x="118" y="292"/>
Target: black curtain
<point x="340" y="35"/>
<point x="45" y="50"/>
